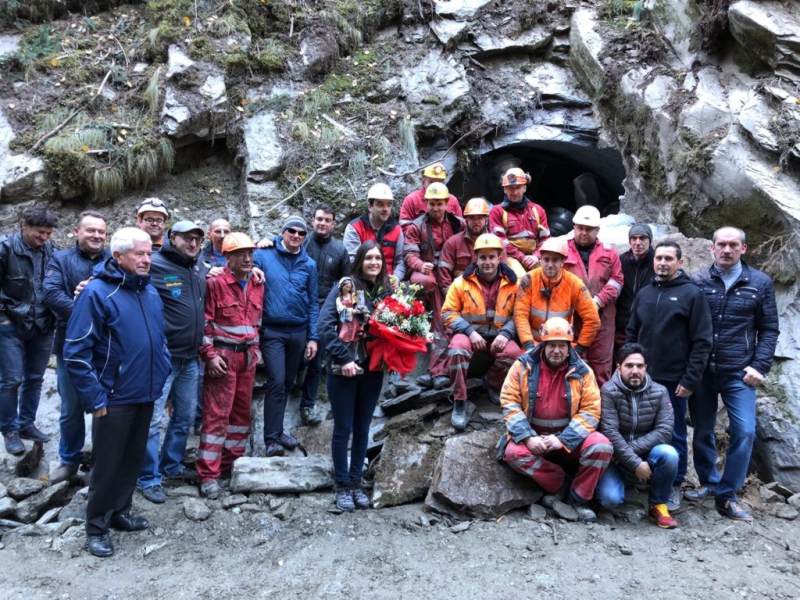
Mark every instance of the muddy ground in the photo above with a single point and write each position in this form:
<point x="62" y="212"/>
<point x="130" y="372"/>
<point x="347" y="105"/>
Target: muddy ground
<point x="293" y="547"/>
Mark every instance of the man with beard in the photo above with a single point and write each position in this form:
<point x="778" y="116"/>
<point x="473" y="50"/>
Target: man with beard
<point x="637" y="272"/>
<point x="415" y="205"/>
<point x="637" y="419"/>
<point x="551" y="409"/>
<point x="671" y="319"/>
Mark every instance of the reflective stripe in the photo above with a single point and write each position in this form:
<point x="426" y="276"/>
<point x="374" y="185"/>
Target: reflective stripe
<point x="209" y="454"/>
<point x="550" y="423"/>
<point x="238" y="429"/>
<point x="229" y="340"/>
<point x="211" y="439"/>
<point x="237" y="329"/>
<point x="411" y="248"/>
<point x="522" y="235"/>
<point x="459" y="352"/>
<point x="543" y="314"/>
<point x="615" y="284"/>
<point x="489" y="314"/>
<point x="235" y="443"/>
<point x="502" y="320"/>
<point x="445" y="265"/>
<point x="406" y="222"/>
<point x="498" y="229"/>
<point x="207" y="341"/>
<point x="600" y="464"/>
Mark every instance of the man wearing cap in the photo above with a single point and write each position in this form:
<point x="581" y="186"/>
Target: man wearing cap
<point x="415" y="205"/>
<point x="151" y="217"/>
<point x="378" y="225"/>
<point x="550" y="291"/>
<point x="211" y="255"/>
<point x="289" y="324"/>
<point x="599" y="267"/>
<point x="233" y="313"/>
<point x="479" y="315"/>
<point x="180" y="279"/>
<point x="637" y="272"/>
<point x="456" y="252"/>
<point x="518" y="221"/>
<point x="548" y="438"/>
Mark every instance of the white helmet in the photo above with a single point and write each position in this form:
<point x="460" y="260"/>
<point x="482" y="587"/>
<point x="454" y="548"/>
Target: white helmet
<point x="587" y="215"/>
<point x="380" y="191"/>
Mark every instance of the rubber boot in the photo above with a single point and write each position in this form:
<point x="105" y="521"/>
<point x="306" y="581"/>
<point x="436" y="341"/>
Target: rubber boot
<point x="459" y="417"/>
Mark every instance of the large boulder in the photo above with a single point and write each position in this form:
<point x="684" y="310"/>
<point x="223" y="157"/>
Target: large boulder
<point x="770" y="29"/>
<point x="264" y="155"/>
<point x="436" y="88"/>
<point x="32" y="507"/>
<point x="461" y="10"/>
<point x="776" y="455"/>
<point x="282" y="474"/>
<point x="469" y="481"/>
<point x="404" y="470"/>
<point x="531" y="41"/>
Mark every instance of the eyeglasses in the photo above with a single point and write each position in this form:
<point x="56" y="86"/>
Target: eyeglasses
<point x="153" y="221"/>
<point x="293" y="231"/>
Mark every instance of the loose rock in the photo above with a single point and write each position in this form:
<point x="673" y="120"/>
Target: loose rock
<point x="282" y="474"/>
<point x="22" y="487"/>
<point x="196" y="510"/>
<point x="784" y="511"/>
<point x="233" y="500"/>
<point x="537" y="512"/>
<point x="8" y="506"/>
<point x="29" y="509"/>
<point x="564" y="511"/>
<point x="405" y="469"/>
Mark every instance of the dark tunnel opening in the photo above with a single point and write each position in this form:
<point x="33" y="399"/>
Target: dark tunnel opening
<point x="564" y="175"/>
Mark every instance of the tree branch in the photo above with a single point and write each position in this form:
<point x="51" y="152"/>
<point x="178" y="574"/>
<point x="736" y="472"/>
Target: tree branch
<point x="325" y="168"/>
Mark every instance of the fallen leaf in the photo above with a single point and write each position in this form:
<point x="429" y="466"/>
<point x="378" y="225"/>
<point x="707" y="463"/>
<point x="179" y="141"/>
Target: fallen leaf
<point x="187" y="21"/>
<point x="84" y="148"/>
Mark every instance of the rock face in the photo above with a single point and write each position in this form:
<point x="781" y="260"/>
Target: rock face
<point x="469" y="481"/>
<point x="265" y="156"/>
<point x="771" y="30"/>
<point x="434" y="88"/>
<point x="530" y="42"/>
<point x="404" y="471"/>
<point x="460" y="9"/>
<point x="282" y="474"/>
<point x="777" y="450"/>
<point x="586" y="45"/>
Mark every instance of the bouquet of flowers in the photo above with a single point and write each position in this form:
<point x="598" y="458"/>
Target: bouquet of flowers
<point x="399" y="328"/>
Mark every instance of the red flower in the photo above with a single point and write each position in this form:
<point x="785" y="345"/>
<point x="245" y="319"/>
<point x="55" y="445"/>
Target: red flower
<point x="417" y="308"/>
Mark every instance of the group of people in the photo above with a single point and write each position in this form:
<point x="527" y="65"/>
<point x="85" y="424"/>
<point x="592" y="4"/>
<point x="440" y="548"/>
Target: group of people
<point x="170" y="321"/>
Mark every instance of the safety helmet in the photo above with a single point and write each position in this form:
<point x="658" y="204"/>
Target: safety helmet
<point x="379" y="191"/>
<point x="476" y="207"/>
<point x="435" y="171"/>
<point x="555" y="329"/>
<point x="488" y="241"/>
<point x="587" y="215"/>
<point x="437" y="191"/>
<point x="237" y="241"/>
<point x="556" y="245"/>
<point x="516" y="176"/>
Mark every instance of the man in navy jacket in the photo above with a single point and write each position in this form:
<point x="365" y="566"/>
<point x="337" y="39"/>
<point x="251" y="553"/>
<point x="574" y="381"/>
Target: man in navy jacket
<point x="289" y="326"/>
<point x="117" y="358"/>
<point x="745" y="320"/>
<point x="67" y="274"/>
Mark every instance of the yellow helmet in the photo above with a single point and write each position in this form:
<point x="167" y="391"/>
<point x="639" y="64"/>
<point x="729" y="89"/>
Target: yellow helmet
<point x="556" y="329"/>
<point x="380" y="191"/>
<point x="487" y="241"/>
<point x="476" y="207"/>
<point x="435" y="171"/>
<point x="516" y="176"/>
<point x="556" y="245"/>
<point x="437" y="191"/>
<point x="237" y="241"/>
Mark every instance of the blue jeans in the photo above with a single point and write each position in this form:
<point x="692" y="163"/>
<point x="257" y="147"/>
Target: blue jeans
<point x="680" y="435"/>
<point x="353" y="401"/>
<point x="181" y="389"/>
<point x="71" y="423"/>
<point x="663" y="461"/>
<point x="23" y="359"/>
<point x="740" y="402"/>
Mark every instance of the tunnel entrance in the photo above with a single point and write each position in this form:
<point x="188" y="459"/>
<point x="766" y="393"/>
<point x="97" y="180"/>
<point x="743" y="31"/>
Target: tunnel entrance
<point x="564" y="176"/>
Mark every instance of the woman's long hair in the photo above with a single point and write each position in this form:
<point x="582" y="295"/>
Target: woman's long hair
<point x="382" y="281"/>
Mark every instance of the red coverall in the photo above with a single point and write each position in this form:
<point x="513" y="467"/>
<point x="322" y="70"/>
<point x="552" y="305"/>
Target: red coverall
<point x="414" y="206"/>
<point x="522" y="231"/>
<point x="233" y="318"/>
<point x="604" y="281"/>
<point x="455" y="256"/>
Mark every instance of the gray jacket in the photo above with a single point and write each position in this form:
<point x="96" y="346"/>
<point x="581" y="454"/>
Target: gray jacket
<point x="635" y="421"/>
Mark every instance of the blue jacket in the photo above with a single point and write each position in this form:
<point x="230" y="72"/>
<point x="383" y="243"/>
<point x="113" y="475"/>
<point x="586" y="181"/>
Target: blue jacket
<point x="745" y="320"/>
<point x="66" y="269"/>
<point x="115" y="350"/>
<point x="290" y="297"/>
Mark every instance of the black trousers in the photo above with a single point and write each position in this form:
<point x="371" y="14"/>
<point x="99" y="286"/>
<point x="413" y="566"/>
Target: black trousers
<point x="118" y="443"/>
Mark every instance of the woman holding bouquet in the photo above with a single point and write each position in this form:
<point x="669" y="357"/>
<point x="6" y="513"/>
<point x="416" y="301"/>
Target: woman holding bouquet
<point x="353" y="390"/>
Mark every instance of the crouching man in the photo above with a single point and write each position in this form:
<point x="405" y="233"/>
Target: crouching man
<point x="551" y="409"/>
<point x="638" y="419"/>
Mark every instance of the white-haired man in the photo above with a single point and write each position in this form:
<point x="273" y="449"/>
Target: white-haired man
<point x="117" y="358"/>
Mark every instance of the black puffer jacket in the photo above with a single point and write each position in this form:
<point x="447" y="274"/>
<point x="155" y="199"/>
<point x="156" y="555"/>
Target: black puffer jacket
<point x="17" y="287"/>
<point x="635" y="421"/>
<point x="636" y="274"/>
<point x="745" y="320"/>
<point x="332" y="260"/>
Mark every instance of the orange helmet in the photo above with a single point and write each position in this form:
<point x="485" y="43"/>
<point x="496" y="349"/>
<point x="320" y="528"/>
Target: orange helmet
<point x="556" y="329"/>
<point x="516" y="176"/>
<point x="237" y="241"/>
<point x="476" y="207"/>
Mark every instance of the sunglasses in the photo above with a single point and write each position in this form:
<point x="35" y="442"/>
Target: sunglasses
<point x="293" y="231"/>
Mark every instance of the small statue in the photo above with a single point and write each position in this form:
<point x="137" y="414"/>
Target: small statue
<point x="351" y="309"/>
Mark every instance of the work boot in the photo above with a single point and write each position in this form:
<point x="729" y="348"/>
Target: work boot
<point x="698" y="494"/>
<point x="674" y="502"/>
<point x="100" y="545"/>
<point x="344" y="500"/>
<point x="585" y="514"/>
<point x="31" y="432"/>
<point x="733" y="509"/>
<point x="187" y="475"/>
<point x="660" y="515"/>
<point x="441" y="382"/>
<point x="360" y="498"/>
<point x="154" y="494"/>
<point x="127" y="522"/>
<point x="210" y="489"/>
<point x="493" y="394"/>
<point x="63" y="472"/>
<point x="459" y="417"/>
<point x="13" y="444"/>
<point x="274" y="449"/>
<point x="309" y="416"/>
<point x="425" y="381"/>
<point x="288" y="441"/>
